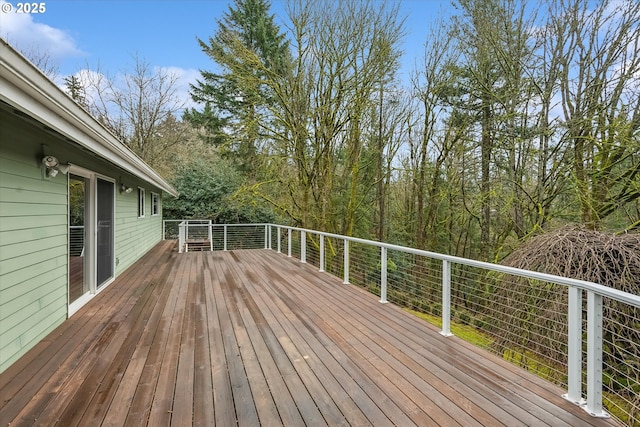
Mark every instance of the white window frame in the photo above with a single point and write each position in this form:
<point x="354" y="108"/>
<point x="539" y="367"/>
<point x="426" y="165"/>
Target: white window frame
<point x="91" y="249"/>
<point x="155" y="204"/>
<point x="141" y="202"/>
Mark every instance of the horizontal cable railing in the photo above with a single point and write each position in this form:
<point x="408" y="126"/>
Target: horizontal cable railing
<point x="76" y="240"/>
<point x="238" y="236"/>
<point x="199" y="235"/>
<point x="170" y="229"/>
<point x="580" y="335"/>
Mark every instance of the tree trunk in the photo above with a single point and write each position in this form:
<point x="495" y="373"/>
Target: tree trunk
<point x="485" y="182"/>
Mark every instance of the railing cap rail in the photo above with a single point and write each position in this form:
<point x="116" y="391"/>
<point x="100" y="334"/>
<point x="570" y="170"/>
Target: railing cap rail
<point x="626" y="297"/>
<point x="605" y="291"/>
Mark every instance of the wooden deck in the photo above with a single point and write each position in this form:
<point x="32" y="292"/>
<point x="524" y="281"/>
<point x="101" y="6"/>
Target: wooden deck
<point x="255" y="338"/>
<point x="76" y="277"/>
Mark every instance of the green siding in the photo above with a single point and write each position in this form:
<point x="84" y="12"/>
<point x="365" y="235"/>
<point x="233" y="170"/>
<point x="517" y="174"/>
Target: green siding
<point x="34" y="234"/>
<point x="33" y="242"/>
<point x="31" y="288"/>
<point x="135" y="236"/>
<point x="34" y="231"/>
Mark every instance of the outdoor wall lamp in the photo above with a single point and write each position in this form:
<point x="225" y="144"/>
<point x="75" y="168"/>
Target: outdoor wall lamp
<point x="125" y="189"/>
<point x="53" y="166"/>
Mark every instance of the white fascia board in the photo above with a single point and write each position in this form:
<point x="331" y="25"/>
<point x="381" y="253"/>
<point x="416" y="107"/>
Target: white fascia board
<point x="25" y="88"/>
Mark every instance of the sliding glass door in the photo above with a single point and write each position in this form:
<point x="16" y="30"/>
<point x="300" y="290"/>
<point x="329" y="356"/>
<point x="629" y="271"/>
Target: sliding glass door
<point x="91" y="235"/>
<point x="105" y="231"/>
<point x="79" y="210"/>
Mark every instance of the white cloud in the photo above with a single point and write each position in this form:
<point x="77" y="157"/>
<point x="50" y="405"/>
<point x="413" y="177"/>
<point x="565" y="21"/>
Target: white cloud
<point x="185" y="77"/>
<point x="20" y="31"/>
<point x="91" y="80"/>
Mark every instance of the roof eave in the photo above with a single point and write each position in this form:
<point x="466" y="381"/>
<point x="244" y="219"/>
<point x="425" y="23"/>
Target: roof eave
<point x="27" y="89"/>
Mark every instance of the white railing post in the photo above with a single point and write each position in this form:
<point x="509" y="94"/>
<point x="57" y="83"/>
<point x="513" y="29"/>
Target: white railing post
<point x="594" y="356"/>
<point x="289" y="242"/>
<point x="574" y="347"/>
<point x="383" y="275"/>
<point x="224" y="237"/>
<point x="186" y="236"/>
<point x="210" y="236"/>
<point x="266" y="237"/>
<point x="164" y="226"/>
<point x="446" y="298"/>
<point x="321" y="252"/>
<point x="303" y="247"/>
<point x="279" y="234"/>
<point x="181" y="239"/>
<point x="346" y="262"/>
<point x="270" y="236"/>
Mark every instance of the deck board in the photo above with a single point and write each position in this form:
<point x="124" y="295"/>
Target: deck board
<point x="252" y="337"/>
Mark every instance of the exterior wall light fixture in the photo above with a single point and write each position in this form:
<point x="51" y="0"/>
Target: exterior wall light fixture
<point x="52" y="167"/>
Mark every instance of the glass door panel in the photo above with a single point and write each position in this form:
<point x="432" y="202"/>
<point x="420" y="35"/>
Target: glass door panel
<point x="105" y="231"/>
<point x="78" y="219"/>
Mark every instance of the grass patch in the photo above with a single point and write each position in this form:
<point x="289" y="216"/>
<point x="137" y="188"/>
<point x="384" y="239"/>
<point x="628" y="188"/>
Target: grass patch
<point x="618" y="408"/>
<point x="536" y="365"/>
<point x="466" y="332"/>
<point x="614" y="404"/>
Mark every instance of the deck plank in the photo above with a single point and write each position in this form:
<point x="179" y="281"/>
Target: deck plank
<point x="258" y="301"/>
<point x="133" y="327"/>
<point x="324" y="363"/>
<point x="245" y="410"/>
<point x="42" y="374"/>
<point x="162" y="404"/>
<point x="422" y="412"/>
<point x="182" y="406"/>
<point x="152" y="351"/>
<point x="319" y="395"/>
<point x="274" y="362"/>
<point x="223" y="406"/>
<point x="124" y="395"/>
<point x="203" y="406"/>
<point x="252" y="337"/>
<point x="387" y="354"/>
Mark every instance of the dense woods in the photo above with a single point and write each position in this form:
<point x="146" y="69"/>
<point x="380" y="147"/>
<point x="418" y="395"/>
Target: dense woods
<point x="516" y="118"/>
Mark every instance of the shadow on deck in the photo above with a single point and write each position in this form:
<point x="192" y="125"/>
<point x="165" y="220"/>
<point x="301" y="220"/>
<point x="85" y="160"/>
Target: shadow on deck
<point x="255" y="338"/>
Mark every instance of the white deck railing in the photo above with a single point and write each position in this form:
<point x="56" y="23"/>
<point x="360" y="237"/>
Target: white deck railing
<point x="76" y="240"/>
<point x="497" y="300"/>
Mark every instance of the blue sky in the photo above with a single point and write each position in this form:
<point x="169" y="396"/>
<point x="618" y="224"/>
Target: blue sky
<point x="77" y="33"/>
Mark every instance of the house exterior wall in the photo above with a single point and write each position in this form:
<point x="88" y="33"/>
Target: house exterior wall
<point x="134" y="235"/>
<point x="33" y="247"/>
<point x="34" y="230"/>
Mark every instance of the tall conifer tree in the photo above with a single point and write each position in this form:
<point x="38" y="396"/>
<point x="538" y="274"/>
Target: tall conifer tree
<point x="232" y="99"/>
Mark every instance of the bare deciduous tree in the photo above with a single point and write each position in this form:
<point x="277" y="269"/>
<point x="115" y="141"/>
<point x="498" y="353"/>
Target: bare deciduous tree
<point x="599" y="80"/>
<point x="137" y="106"/>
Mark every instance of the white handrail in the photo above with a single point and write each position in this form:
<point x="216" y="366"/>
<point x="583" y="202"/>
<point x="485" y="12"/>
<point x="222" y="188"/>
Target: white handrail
<point x="605" y="291"/>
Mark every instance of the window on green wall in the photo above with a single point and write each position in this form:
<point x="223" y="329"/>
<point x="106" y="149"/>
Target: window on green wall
<point x="155" y="202"/>
<point x="140" y="202"/>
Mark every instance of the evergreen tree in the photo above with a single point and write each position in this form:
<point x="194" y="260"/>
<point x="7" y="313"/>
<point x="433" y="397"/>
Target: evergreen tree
<point x="76" y="90"/>
<point x="233" y="97"/>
